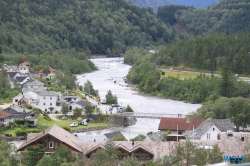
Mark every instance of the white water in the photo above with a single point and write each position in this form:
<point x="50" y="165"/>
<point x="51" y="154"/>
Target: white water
<point x="113" y="69"/>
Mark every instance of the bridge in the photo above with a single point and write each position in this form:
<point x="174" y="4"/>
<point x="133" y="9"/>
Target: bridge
<point x="151" y="115"/>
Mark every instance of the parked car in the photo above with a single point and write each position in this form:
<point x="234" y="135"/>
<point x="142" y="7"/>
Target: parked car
<point x="64" y="118"/>
<point x="120" y="110"/>
<point x="84" y="123"/>
<point x="114" y="105"/>
<point x="74" y="124"/>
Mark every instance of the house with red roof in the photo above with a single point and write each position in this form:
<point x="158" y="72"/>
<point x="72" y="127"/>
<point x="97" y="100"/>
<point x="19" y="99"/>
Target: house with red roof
<point x="180" y="126"/>
<point x="5" y="118"/>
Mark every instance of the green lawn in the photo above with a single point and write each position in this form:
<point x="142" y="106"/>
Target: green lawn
<point x="61" y="123"/>
<point x="66" y="123"/>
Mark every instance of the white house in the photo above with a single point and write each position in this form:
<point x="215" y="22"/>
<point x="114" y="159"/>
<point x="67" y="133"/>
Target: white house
<point x="24" y="67"/>
<point x="22" y="99"/>
<point x="210" y="129"/>
<point x="48" y="101"/>
<point x="5" y="118"/>
<point x="35" y="85"/>
<point x="22" y="80"/>
<point x="8" y="68"/>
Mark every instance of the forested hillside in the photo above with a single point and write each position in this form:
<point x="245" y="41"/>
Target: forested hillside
<point x="92" y="26"/>
<point x="210" y="53"/>
<point x="229" y="16"/>
<point x="157" y="3"/>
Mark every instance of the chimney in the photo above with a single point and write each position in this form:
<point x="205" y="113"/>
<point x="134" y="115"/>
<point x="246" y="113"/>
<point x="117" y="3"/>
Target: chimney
<point x="187" y="121"/>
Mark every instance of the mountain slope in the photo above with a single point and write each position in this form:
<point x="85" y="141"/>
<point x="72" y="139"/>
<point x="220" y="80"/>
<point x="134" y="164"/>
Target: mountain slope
<point x="96" y="26"/>
<point x="229" y="16"/>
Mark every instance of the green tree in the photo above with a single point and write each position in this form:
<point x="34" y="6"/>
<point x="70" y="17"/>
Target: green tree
<point x="215" y="155"/>
<point x="129" y="161"/>
<point x="8" y="156"/>
<point x="129" y="109"/>
<point x="65" y="109"/>
<point x="77" y="112"/>
<point x="165" y="135"/>
<point x="119" y="137"/>
<point x="227" y="83"/>
<point x="89" y="109"/>
<point x="139" y="137"/>
<point x="186" y="153"/>
<point x="61" y="155"/>
<point x="110" y="98"/>
<point x="34" y="154"/>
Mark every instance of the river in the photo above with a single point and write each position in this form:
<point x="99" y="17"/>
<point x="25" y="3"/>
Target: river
<point x="114" y="70"/>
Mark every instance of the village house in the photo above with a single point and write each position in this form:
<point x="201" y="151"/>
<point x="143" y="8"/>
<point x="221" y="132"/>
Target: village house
<point x="22" y="99"/>
<point x="16" y="112"/>
<point x="8" y="68"/>
<point x="22" y="80"/>
<point x="50" y="74"/>
<point x="47" y="101"/>
<point x="179" y="126"/>
<point x="24" y="67"/>
<point x="210" y="129"/>
<point x="52" y="138"/>
<point x="79" y="104"/>
<point x="5" y="118"/>
<point x="35" y="85"/>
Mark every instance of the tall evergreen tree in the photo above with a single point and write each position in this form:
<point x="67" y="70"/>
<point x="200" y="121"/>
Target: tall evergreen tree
<point x="227" y="83"/>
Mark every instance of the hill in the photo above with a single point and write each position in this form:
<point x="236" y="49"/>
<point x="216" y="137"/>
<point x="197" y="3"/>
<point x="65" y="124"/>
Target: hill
<point x="156" y="3"/>
<point x="229" y="16"/>
<point x="90" y="26"/>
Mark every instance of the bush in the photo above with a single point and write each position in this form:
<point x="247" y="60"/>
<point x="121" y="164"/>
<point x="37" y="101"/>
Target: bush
<point x="21" y="121"/>
<point x="21" y="133"/>
<point x="47" y="118"/>
<point x="67" y="128"/>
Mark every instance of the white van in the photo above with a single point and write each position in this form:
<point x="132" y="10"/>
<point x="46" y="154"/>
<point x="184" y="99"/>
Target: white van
<point x="103" y="100"/>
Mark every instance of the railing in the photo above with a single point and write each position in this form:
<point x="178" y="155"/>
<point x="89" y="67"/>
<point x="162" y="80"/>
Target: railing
<point x="151" y="115"/>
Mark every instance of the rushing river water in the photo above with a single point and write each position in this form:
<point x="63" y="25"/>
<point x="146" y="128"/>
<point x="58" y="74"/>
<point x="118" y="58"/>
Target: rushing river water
<point x="114" y="70"/>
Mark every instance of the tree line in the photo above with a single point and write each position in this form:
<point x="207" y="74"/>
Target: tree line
<point x="228" y="16"/>
<point x="210" y="53"/>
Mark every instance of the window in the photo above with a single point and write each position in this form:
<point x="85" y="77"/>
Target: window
<point x="16" y="100"/>
<point x="50" y="104"/>
<point x="44" y="103"/>
<point x="36" y="103"/>
<point x="1" y="120"/>
<point x="44" y="97"/>
<point x="50" y="98"/>
<point x="213" y="129"/>
<point x="51" y="144"/>
<point x="208" y="136"/>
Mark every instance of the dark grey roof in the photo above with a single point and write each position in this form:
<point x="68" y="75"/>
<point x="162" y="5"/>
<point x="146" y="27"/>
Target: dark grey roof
<point x="12" y="74"/>
<point x="15" y="114"/>
<point x="112" y="135"/>
<point x="20" y="79"/>
<point x="35" y="83"/>
<point x="81" y="102"/>
<point x="222" y="124"/>
<point x="154" y="137"/>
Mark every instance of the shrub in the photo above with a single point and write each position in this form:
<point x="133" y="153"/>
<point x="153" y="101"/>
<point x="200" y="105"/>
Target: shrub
<point x="47" y="118"/>
<point x="21" y="133"/>
<point x="21" y="121"/>
<point x="67" y="128"/>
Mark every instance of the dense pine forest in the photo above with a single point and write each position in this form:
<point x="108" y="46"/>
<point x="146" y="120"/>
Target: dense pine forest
<point x="91" y="26"/>
<point x="229" y="16"/>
